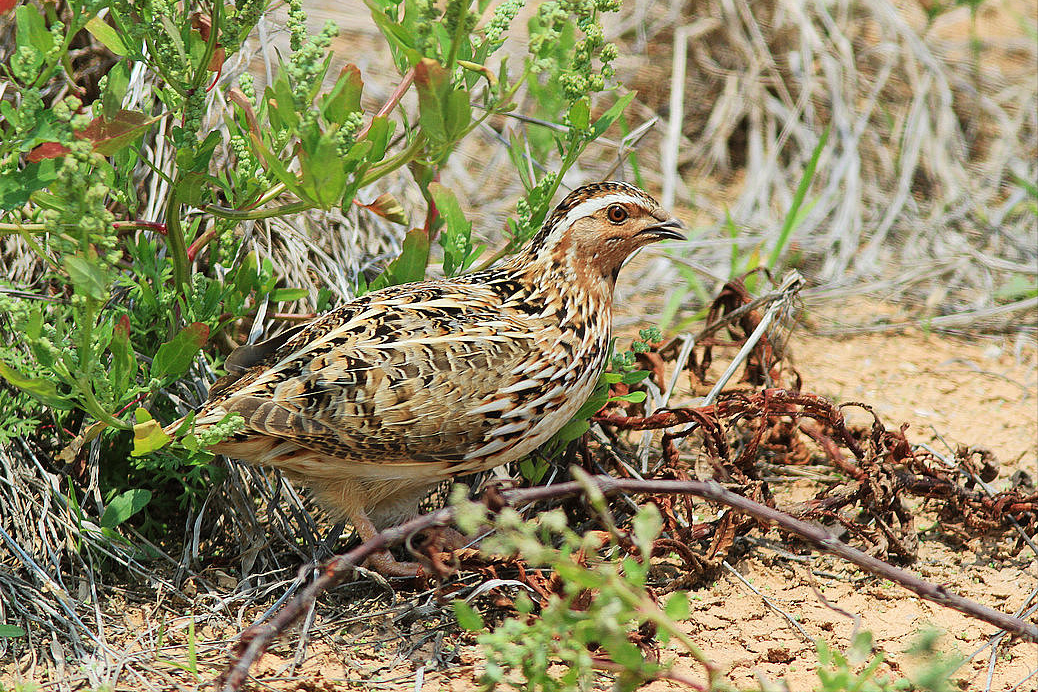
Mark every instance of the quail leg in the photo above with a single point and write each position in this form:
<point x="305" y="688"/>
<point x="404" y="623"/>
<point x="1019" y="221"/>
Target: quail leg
<point x="382" y="562"/>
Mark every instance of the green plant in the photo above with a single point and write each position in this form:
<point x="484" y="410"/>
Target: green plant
<point x="854" y="670"/>
<point x="603" y="601"/>
<point x="125" y="310"/>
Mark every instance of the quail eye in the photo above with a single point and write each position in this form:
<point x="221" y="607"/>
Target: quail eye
<point x="616" y="213"/>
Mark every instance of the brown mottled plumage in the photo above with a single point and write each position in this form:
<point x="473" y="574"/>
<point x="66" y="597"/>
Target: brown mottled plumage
<point x="374" y="403"/>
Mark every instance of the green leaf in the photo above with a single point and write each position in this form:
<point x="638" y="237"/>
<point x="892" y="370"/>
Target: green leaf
<point x="378" y="134"/>
<point x="432" y="80"/>
<point x="107" y="35"/>
<point x="456" y="238"/>
<point x="32" y="30"/>
<point x="42" y="389"/>
<point x="148" y="435"/>
<point x="11" y="631"/>
<point x="457" y="113"/>
<point x="580" y="114"/>
<point x="792" y="216"/>
<point x="572" y="430"/>
<point x="410" y="265"/>
<point x="344" y="97"/>
<point x="111" y="135"/>
<point x="125" y="505"/>
<point x="16" y="186"/>
<point x="124" y="360"/>
<point x="281" y="103"/>
<point x="115" y="89"/>
<point x="631" y="397"/>
<point x="676" y="607"/>
<point x="646" y="526"/>
<point x="468" y="618"/>
<point x="612" y="114"/>
<point x="324" y="177"/>
<point x="626" y="654"/>
<point x="275" y="166"/>
<point x="634" y="377"/>
<point x="285" y="295"/>
<point x="88" y="277"/>
<point x="175" y="356"/>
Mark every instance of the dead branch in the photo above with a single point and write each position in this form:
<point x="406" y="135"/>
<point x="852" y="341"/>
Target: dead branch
<point x="255" y="640"/>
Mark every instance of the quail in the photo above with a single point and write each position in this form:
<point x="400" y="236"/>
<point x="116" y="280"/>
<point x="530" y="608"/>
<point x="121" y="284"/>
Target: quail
<point x="378" y="401"/>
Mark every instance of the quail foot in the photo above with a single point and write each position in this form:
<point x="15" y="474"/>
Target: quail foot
<point x="376" y="402"/>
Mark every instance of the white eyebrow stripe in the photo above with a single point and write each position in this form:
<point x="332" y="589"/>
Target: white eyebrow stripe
<point x="590" y="206"/>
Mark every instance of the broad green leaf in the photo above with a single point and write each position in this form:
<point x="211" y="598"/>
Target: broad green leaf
<point x="344" y="98"/>
<point x="572" y="430"/>
<point x="32" y="30"/>
<point x="378" y="134"/>
<point x="282" y="102"/>
<point x="632" y="397"/>
<point x="107" y="35"/>
<point x="432" y="80"/>
<point x="43" y="389"/>
<point x="677" y="606"/>
<point x="323" y="176"/>
<point x="16" y="186"/>
<point x="111" y="135"/>
<point x="175" y="356"/>
<point x="625" y="653"/>
<point x="456" y="237"/>
<point x="457" y="113"/>
<point x="284" y="295"/>
<point x="88" y="277"/>
<point x="634" y="377"/>
<point x="108" y="136"/>
<point x="410" y="265"/>
<point x="580" y="114"/>
<point x="11" y="631"/>
<point x="126" y="504"/>
<point x="468" y="618"/>
<point x="115" y="89"/>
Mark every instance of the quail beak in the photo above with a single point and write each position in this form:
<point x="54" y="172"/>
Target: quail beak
<point x="664" y="230"/>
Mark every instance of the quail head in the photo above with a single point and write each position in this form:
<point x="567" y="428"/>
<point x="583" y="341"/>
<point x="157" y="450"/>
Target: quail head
<point x="378" y="401"/>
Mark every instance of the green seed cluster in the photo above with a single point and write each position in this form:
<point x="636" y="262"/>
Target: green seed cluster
<point x="217" y="432"/>
<point x="82" y="215"/>
<point x="346" y="135"/>
<point x="296" y="24"/>
<point x="165" y="52"/>
<point x="501" y="21"/>
<point x="239" y="22"/>
<point x="132" y="22"/>
<point x="25" y="64"/>
<point x="452" y="17"/>
<point x="579" y="77"/>
<point x="186" y="136"/>
<point x="307" y="63"/>
<point x="247" y="162"/>
<point x="247" y="84"/>
<point x="427" y="15"/>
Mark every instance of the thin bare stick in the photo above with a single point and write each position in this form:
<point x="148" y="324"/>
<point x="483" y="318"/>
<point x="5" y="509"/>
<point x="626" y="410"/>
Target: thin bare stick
<point x="257" y="638"/>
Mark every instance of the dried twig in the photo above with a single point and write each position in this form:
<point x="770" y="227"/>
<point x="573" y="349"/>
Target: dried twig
<point x="257" y="638"/>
